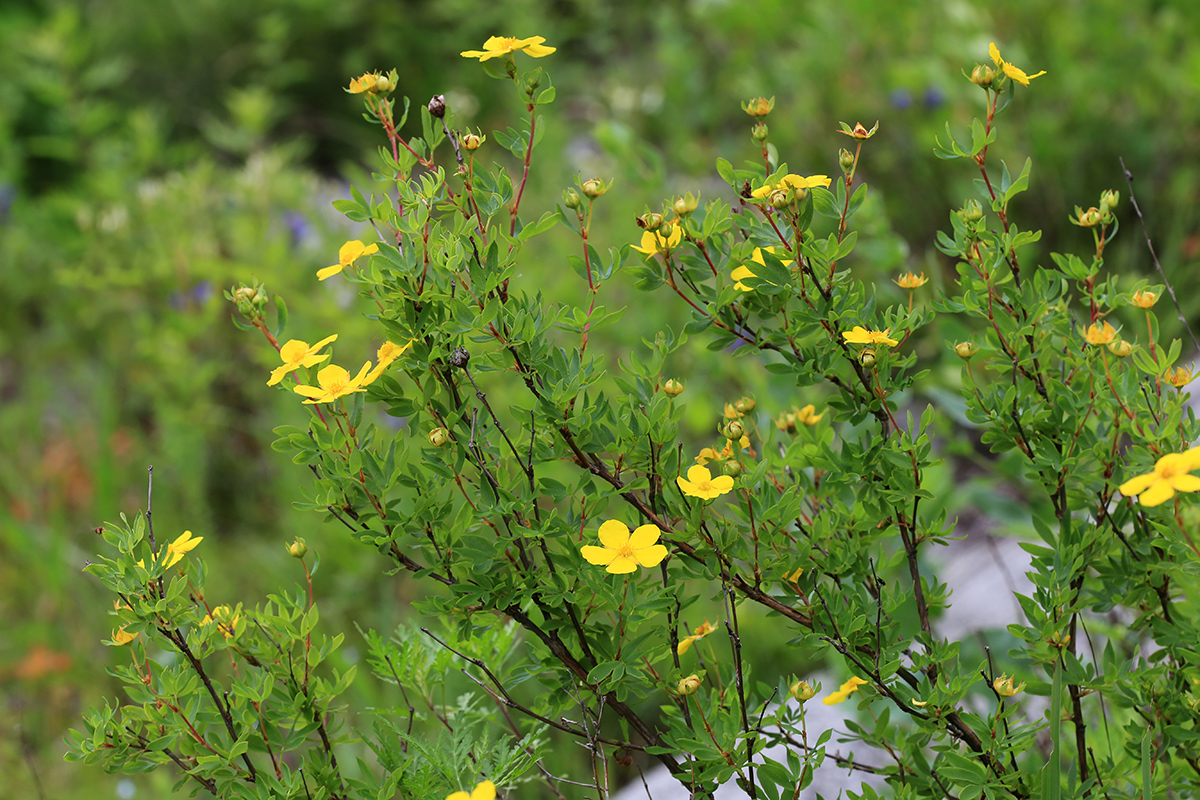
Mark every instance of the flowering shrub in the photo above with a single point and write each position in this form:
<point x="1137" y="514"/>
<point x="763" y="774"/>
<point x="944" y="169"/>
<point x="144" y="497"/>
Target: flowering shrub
<point x="821" y="522"/>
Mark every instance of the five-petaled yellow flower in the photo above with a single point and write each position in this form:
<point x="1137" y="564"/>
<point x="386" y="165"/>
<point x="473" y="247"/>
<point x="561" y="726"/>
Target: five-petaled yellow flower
<point x="791" y="180"/>
<point x="334" y="382"/>
<point x="623" y="551"/>
<point x="653" y="242"/>
<point x="700" y="632"/>
<point x="347" y="254"/>
<point x="387" y="353"/>
<point x="860" y="335"/>
<point x="1171" y="474"/>
<point x="744" y="270"/>
<point x="1016" y="74"/>
<point x="700" y="483"/>
<point x="1100" y="333"/>
<point x="808" y="415"/>
<point x="297" y="354"/>
<point x="1179" y="377"/>
<point x="910" y="280"/>
<point x="365" y="83"/>
<point x="497" y="46"/>
<point x="226" y="619"/>
<point x="845" y="690"/>
<point x="482" y="791"/>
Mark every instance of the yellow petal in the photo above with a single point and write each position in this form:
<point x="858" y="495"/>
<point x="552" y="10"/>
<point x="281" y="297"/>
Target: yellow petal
<point x="614" y="534"/>
<point x="1138" y="485"/>
<point x="622" y="565"/>
<point x="484" y="791"/>
<point x="329" y="272"/>
<point x="722" y="483"/>
<point x="698" y="474"/>
<point x="1157" y="494"/>
<point x="1186" y="483"/>
<point x="599" y="556"/>
<point x="994" y="52"/>
<point x="646" y="535"/>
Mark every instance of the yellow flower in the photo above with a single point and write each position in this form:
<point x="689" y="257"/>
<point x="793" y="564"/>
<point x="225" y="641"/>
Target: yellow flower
<point x="808" y="415"/>
<point x="623" y="551"/>
<point x="334" y="382"/>
<point x="744" y="270"/>
<point x="791" y="180"/>
<point x="297" y="354"/>
<point x="860" y="335"/>
<point x="1179" y="377"/>
<point x="859" y="131"/>
<point x="1101" y="333"/>
<point x="1144" y="299"/>
<point x="654" y="242"/>
<point x="700" y="483"/>
<point x="347" y="255"/>
<point x="387" y="353"/>
<point x="226" y="619"/>
<point x="497" y="46"/>
<point x="180" y="547"/>
<point x="700" y="632"/>
<point x="1017" y="75"/>
<point x="1005" y="688"/>
<point x="910" y="281"/>
<point x="688" y="685"/>
<point x="122" y="637"/>
<point x="844" y="691"/>
<point x="759" y="106"/>
<point x="1171" y="474"/>
<point x="482" y="791"/>
<point x="365" y="83"/>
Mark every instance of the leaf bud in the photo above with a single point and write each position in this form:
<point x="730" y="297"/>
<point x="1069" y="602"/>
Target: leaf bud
<point x="733" y="430"/>
<point x="688" y="685"/>
<point x="438" y="436"/>
<point x="437" y="106"/>
<point x="983" y="75"/>
<point x="298" y="549"/>
<point x="594" y="187"/>
<point x="651" y="221"/>
<point x="571" y="198"/>
<point x="759" y="132"/>
<point x="685" y="205"/>
<point x="673" y="388"/>
<point x="965" y="350"/>
<point x="801" y="690"/>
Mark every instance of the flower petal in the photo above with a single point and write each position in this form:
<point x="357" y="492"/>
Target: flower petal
<point x="698" y="474"/>
<point x="614" y="534"/>
<point x="1186" y="483"/>
<point x="646" y="535"/>
<point x="722" y="484"/>
<point x="599" y="556"/>
<point x="651" y="556"/>
<point x="1157" y="494"/>
<point x="329" y="272"/>
<point x="1139" y="484"/>
<point x="623" y="565"/>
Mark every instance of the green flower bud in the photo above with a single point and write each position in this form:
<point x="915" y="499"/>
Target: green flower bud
<point x="571" y="198"/>
<point x="651" y="221"/>
<point x="673" y="388"/>
<point x="298" y="549"/>
<point x="472" y="141"/>
<point x="594" y="187"/>
<point x="845" y="160"/>
<point x="685" y="205"/>
<point x="1120" y="348"/>
<point x="802" y="690"/>
<point x="688" y="685"/>
<point x="745" y="405"/>
<point x="781" y="198"/>
<point x="732" y="468"/>
<point x="733" y="430"/>
<point x="867" y="358"/>
<point x="983" y="75"/>
<point x="759" y="132"/>
<point x="438" y="437"/>
<point x="965" y="350"/>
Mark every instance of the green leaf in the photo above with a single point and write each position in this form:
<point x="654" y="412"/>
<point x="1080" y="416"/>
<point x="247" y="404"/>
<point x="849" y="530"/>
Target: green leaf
<point x="725" y="170"/>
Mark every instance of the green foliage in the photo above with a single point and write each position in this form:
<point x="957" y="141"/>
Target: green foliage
<point x="526" y="457"/>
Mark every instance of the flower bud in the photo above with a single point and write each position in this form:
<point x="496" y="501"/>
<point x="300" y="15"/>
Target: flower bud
<point x="759" y="106"/>
<point x="1087" y="219"/>
<point x="460" y="357"/>
<point x="1143" y="299"/>
<point x="781" y="198"/>
<point x="594" y="187"/>
<point x="786" y="422"/>
<point x="1120" y="348"/>
<point x="673" y="388"/>
<point x="732" y="468"/>
<point x="472" y="141"/>
<point x="571" y="198"/>
<point x="859" y="131"/>
<point x="801" y="690"/>
<point x="845" y="160"/>
<point x="867" y="358"/>
<point x="688" y="685"/>
<point x="437" y="106"/>
<point x="298" y="549"/>
<point x="759" y="132"/>
<point x="733" y="430"/>
<point x="1004" y="686"/>
<point x="1108" y="201"/>
<point x="965" y="350"/>
<point x="685" y="205"/>
<point x="983" y="75"/>
<point x="971" y="211"/>
<point x="438" y="436"/>
<point x="745" y="405"/>
<point x="651" y="221"/>
<point x="383" y="85"/>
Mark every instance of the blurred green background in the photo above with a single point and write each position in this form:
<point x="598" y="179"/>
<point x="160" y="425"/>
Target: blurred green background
<point x="154" y="153"/>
